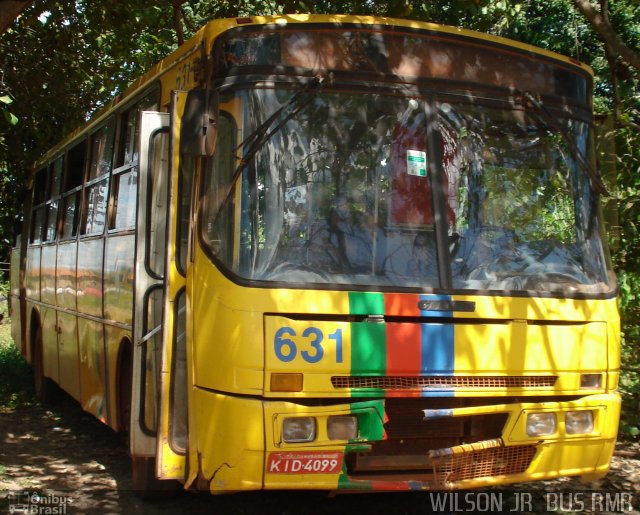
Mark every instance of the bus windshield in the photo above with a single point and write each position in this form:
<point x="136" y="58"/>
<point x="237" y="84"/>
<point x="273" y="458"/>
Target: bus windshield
<point x="343" y="194"/>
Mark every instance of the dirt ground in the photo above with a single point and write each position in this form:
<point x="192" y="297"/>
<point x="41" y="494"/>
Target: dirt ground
<point x="74" y="464"/>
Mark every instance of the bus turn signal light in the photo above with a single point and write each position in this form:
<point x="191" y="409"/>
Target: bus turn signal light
<point x="286" y="382"/>
<point x="590" y="380"/>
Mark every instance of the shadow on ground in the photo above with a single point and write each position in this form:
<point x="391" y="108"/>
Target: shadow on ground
<point x="67" y="453"/>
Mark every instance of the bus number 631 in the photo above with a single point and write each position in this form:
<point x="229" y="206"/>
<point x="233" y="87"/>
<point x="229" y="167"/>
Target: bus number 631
<point x="286" y="349"/>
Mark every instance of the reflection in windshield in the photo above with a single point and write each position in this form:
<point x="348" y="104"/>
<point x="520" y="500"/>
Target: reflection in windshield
<point x="341" y="194"/>
<point x="524" y="208"/>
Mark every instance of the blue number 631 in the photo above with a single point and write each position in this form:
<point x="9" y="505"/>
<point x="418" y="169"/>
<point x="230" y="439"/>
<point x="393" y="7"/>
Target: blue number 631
<point x="286" y="349"/>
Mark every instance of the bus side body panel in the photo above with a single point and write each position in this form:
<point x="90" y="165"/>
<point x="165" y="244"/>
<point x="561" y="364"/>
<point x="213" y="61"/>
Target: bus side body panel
<point x="48" y="314"/>
<point x="90" y="276"/>
<point x="91" y="332"/>
<point x="50" y="342"/>
<point x="66" y="282"/>
<point x="48" y="279"/>
<point x="17" y="303"/>
<point x="118" y="278"/>
<point x="67" y="337"/>
<point x="68" y="354"/>
<point x="32" y="274"/>
<point x="93" y="373"/>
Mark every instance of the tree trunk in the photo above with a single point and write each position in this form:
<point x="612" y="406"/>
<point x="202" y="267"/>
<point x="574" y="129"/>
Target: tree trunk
<point x="601" y="24"/>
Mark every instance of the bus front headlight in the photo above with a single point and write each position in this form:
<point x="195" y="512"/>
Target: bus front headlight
<point x="540" y="424"/>
<point x="342" y="427"/>
<point x="299" y="429"/>
<point x="578" y="422"/>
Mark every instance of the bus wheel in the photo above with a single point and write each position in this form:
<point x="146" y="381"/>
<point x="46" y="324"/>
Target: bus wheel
<point x="146" y="485"/>
<point x="46" y="390"/>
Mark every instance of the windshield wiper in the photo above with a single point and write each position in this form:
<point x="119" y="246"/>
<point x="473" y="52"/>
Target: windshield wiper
<point x="544" y="114"/>
<point x="263" y="132"/>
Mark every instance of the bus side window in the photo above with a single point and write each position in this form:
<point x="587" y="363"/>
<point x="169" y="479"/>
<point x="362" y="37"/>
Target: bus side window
<point x="96" y="207"/>
<point x="38" y="223"/>
<point x="76" y="158"/>
<point x="218" y="228"/>
<point x="102" y="142"/>
<point x="158" y="199"/>
<point x="125" y="186"/>
<point x="55" y="180"/>
<point x="130" y="128"/>
<point x="101" y="151"/>
<point x="187" y="171"/>
<point x="70" y="215"/>
<point x="125" y="175"/>
<point x="39" y="208"/>
<point x="152" y="356"/>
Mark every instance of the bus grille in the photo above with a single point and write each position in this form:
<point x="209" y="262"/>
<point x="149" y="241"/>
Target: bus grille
<point x="443" y="472"/>
<point x="499" y="461"/>
<point x="438" y="452"/>
<point x="413" y="382"/>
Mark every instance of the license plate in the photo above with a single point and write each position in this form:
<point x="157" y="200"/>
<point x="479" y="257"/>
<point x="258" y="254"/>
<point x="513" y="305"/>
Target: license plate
<point x="304" y="462"/>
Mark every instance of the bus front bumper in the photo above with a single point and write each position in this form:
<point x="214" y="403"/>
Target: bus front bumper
<point x="398" y="443"/>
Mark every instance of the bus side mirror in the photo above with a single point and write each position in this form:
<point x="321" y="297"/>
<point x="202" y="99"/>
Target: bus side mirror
<point x="199" y="128"/>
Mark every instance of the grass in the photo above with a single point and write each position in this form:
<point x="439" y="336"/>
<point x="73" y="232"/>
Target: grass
<point x="16" y="378"/>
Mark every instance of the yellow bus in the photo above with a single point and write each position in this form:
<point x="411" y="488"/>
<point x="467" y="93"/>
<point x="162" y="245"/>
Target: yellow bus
<point x="340" y="253"/>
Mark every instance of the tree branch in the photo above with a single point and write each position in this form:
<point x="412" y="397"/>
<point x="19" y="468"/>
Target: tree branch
<point x="177" y="22"/>
<point x="600" y="23"/>
<point x="604" y="10"/>
<point x="627" y="125"/>
<point x="611" y="59"/>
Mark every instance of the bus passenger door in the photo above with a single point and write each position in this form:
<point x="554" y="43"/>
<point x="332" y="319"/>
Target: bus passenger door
<point x="172" y="423"/>
<point x="164" y="222"/>
<point x="150" y="283"/>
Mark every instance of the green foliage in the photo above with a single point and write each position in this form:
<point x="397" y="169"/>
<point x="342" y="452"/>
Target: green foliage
<point x="10" y="118"/>
<point x="630" y="376"/>
<point x="16" y="387"/>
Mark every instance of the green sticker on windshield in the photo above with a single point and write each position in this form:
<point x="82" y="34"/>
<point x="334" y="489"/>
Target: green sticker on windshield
<point x="417" y="163"/>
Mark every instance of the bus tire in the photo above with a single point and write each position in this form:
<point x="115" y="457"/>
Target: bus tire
<point x="45" y="389"/>
<point x="146" y="485"/>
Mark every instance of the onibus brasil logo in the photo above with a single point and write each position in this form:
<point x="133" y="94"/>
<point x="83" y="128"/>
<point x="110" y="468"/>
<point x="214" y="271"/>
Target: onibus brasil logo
<point x="39" y="503"/>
